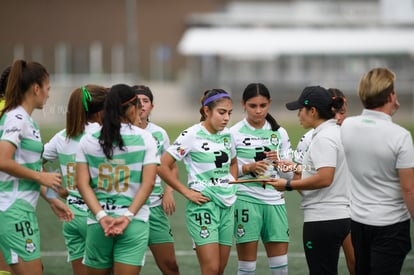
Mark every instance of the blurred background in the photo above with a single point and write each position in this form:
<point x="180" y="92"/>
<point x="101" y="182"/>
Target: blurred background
<point x="179" y="48"/>
<point x="182" y="47"/>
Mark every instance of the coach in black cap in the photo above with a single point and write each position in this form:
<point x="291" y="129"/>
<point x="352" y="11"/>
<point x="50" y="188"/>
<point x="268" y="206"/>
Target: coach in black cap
<point x="324" y="181"/>
<point x="312" y="96"/>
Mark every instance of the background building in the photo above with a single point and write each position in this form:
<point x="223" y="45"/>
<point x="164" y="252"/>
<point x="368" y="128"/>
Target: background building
<point x="289" y="45"/>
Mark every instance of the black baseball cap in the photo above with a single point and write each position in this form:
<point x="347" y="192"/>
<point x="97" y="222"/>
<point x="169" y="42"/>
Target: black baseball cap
<point x="312" y="96"/>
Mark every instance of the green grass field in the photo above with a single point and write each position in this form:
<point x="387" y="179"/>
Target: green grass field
<point x="54" y="252"/>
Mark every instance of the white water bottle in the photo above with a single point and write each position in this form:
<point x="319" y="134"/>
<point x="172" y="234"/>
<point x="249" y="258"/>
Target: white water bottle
<point x="269" y="170"/>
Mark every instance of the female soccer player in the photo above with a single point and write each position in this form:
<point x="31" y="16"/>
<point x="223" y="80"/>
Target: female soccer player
<point x="20" y="167"/>
<point x="115" y="173"/>
<point x="210" y="159"/>
<point x="83" y="115"/>
<point x="161" y="242"/>
<point x="260" y="212"/>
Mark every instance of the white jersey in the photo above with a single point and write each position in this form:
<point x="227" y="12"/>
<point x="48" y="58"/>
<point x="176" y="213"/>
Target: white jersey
<point x="63" y="149"/>
<point x="325" y="150"/>
<point x="163" y="142"/>
<point x="251" y="143"/>
<point x="375" y="149"/>
<point x="303" y="146"/>
<point x="207" y="160"/>
<point x="116" y="181"/>
<point x="18" y="128"/>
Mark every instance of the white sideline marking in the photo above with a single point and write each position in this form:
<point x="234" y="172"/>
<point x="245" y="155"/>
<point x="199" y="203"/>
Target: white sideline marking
<point x="189" y="253"/>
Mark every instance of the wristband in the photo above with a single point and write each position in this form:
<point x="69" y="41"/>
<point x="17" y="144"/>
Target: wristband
<point x="288" y="187"/>
<point x="129" y="215"/>
<point x="100" y="215"/>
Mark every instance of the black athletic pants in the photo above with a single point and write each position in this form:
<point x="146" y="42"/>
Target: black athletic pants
<point x="322" y="241"/>
<point x="380" y="250"/>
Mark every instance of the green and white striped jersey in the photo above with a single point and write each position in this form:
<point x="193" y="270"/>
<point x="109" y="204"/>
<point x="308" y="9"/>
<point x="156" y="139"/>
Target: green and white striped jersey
<point x="251" y="143"/>
<point x="64" y="150"/>
<point x="116" y="181"/>
<point x="207" y="159"/>
<point x="163" y="142"/>
<point x="18" y="128"/>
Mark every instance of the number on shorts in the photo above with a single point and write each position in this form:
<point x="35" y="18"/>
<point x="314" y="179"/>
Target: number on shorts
<point x="24" y="228"/>
<point x="244" y="215"/>
<point x="199" y="218"/>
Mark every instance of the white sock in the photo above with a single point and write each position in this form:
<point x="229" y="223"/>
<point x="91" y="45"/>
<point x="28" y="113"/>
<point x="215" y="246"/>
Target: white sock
<point x="278" y="265"/>
<point x="246" y="268"/>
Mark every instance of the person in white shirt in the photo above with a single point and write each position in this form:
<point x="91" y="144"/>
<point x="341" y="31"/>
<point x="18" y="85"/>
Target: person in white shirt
<point x="324" y="183"/>
<point x="303" y="146"/>
<point x="380" y="157"/>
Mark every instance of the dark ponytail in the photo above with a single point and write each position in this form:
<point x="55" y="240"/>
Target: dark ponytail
<point x="119" y="98"/>
<point x="338" y="99"/>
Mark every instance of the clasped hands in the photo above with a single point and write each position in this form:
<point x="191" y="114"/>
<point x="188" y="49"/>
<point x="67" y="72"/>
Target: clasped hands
<point x="114" y="226"/>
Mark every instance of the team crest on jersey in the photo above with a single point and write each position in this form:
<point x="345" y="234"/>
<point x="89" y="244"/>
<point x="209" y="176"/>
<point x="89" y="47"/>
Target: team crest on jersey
<point x="240" y="231"/>
<point x="227" y="144"/>
<point x="180" y="151"/>
<point x="274" y="140"/>
<point x="30" y="246"/>
<point x="204" y="233"/>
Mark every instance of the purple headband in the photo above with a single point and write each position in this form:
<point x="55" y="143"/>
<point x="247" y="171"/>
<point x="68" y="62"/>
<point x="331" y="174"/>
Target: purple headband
<point x="214" y="97"/>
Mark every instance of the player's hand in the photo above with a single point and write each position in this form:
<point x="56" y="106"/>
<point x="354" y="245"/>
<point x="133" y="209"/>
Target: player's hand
<point x="272" y="156"/>
<point x="107" y="223"/>
<point x="61" y="210"/>
<point x="168" y="203"/>
<point x="118" y="226"/>
<point x="196" y="197"/>
<point x="51" y="180"/>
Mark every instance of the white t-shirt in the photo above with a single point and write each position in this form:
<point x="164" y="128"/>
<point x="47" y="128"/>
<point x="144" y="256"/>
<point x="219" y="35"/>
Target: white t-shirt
<point x="325" y="150"/>
<point x="375" y="149"/>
